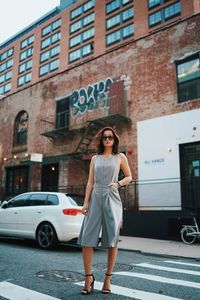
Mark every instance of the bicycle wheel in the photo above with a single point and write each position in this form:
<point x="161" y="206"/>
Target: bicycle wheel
<point x="186" y="237"/>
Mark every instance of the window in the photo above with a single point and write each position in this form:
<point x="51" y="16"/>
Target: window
<point x="5" y="88"/>
<point x="75" y="40"/>
<point x="82" y="9"/>
<point x="75" y="55"/>
<point x="155" y="18"/>
<point x="6" y="54"/>
<point x="82" y="37"/>
<point x="50" y="40"/>
<point x="113" y="37"/>
<point x="127" y="31"/>
<point x="82" y="23"/>
<point x="24" y="79"/>
<point x="27" y="42"/>
<point x="27" y="53"/>
<point x="188" y="78"/>
<point x="88" y="19"/>
<point x="113" y="6"/>
<point x="50" y="53"/>
<point x="172" y="10"/>
<point x="86" y="50"/>
<point x="53" y="65"/>
<point x="120" y="34"/>
<point x="62" y="113"/>
<point x="120" y="18"/>
<point x="25" y="66"/>
<point x="52" y="200"/>
<point x="21" y="129"/>
<point x="165" y="14"/>
<point x="88" y="5"/>
<point x="76" y="12"/>
<point x="16" y="181"/>
<point x="116" y="4"/>
<point x="116" y="20"/>
<point x="153" y="3"/>
<point x="126" y="1"/>
<point x="127" y="14"/>
<point x="51" y="27"/>
<point x="38" y="199"/>
<point x="50" y="67"/>
<point x="81" y="52"/>
<point x="75" y="26"/>
<point x="6" y="76"/>
<point x="88" y="34"/>
<point x="19" y="201"/>
<point x="6" y="65"/>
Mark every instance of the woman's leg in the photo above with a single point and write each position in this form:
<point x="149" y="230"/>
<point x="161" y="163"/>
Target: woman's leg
<point x="112" y="257"/>
<point x="87" y="261"/>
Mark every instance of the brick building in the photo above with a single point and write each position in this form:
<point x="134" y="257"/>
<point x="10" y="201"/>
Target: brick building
<point x="134" y="65"/>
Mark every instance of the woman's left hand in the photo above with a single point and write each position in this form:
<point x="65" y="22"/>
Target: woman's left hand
<point x="114" y="185"/>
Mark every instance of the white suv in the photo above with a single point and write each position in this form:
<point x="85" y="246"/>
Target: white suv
<point x="47" y="217"/>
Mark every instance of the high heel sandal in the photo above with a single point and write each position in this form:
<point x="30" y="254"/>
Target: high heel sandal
<point x="104" y="290"/>
<point x="85" y="291"/>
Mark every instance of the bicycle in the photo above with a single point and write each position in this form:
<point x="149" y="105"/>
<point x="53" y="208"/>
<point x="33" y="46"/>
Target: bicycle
<point x="189" y="233"/>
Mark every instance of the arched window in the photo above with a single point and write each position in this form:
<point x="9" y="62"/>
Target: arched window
<point x="21" y="128"/>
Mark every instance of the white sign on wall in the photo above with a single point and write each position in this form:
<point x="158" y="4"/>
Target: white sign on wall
<point x="36" y="157"/>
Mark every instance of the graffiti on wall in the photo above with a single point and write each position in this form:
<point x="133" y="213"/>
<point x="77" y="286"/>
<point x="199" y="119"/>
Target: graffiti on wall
<point x="93" y="97"/>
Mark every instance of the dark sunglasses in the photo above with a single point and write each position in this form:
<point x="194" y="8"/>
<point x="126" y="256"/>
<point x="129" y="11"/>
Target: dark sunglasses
<point x="108" y="137"/>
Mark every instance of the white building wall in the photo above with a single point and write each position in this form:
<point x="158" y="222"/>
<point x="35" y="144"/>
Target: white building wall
<point x="158" y="158"/>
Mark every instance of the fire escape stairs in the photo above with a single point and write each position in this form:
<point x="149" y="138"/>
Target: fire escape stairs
<point x="87" y="137"/>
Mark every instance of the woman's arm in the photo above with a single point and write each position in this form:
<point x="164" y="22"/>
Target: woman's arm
<point x="124" y="166"/>
<point x="89" y="187"/>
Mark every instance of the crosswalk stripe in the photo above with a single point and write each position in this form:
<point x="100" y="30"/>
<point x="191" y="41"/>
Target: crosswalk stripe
<point x="182" y="263"/>
<point x="162" y="268"/>
<point x="15" y="292"/>
<point x="161" y="279"/>
<point x="132" y="293"/>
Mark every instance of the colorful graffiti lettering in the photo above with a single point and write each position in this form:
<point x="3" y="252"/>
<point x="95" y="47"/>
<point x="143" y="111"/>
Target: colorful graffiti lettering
<point x="90" y="98"/>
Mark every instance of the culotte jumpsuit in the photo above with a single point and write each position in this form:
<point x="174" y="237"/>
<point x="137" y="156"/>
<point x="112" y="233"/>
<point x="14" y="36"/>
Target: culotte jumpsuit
<point x="105" y="206"/>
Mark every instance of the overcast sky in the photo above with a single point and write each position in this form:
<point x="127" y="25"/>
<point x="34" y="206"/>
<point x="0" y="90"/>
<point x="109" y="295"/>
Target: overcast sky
<point x="17" y="14"/>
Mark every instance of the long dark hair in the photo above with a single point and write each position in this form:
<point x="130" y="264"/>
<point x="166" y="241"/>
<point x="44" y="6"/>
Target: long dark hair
<point x="99" y="142"/>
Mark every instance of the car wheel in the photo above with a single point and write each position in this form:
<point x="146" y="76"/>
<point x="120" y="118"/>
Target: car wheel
<point x="46" y="236"/>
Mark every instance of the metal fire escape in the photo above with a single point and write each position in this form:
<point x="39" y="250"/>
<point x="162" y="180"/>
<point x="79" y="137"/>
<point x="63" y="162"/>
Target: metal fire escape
<point x="115" y="115"/>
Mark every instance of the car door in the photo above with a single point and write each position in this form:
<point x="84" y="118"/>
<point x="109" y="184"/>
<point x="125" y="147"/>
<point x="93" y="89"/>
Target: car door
<point x="9" y="216"/>
<point x="30" y="215"/>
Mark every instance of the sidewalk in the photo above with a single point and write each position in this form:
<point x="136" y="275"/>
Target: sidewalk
<point x="159" y="247"/>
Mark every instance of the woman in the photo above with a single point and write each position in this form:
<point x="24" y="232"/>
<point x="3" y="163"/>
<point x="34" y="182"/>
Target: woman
<point x="102" y="206"/>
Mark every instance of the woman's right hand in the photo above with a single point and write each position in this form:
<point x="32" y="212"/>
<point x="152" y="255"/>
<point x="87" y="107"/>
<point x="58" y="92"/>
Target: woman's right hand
<point x="85" y="209"/>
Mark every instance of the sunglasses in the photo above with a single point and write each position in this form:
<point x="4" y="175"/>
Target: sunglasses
<point x="108" y="137"/>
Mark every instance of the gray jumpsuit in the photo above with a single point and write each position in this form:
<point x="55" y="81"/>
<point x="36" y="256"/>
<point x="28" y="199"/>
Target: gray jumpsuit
<point x="105" y="207"/>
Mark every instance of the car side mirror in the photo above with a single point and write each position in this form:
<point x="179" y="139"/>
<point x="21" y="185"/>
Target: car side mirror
<point x="4" y="204"/>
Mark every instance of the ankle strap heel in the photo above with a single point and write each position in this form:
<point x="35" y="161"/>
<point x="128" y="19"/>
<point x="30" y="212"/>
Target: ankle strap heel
<point x="105" y="290"/>
<point x="85" y="291"/>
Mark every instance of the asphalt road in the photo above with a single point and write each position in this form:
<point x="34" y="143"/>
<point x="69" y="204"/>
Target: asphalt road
<point x="27" y="272"/>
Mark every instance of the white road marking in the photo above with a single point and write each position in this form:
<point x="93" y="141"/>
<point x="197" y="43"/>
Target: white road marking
<point x="182" y="263"/>
<point x="15" y="292"/>
<point x="162" y="268"/>
<point x="132" y="293"/>
<point x="161" y="279"/>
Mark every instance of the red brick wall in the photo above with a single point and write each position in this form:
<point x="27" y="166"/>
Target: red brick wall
<point x="149" y="64"/>
<point x="141" y="29"/>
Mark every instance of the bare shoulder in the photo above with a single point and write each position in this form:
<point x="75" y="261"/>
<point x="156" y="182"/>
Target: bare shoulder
<point x="93" y="158"/>
<point x="122" y="157"/>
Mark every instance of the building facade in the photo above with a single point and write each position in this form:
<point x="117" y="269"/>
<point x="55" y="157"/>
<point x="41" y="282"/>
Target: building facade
<point x="133" y="65"/>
